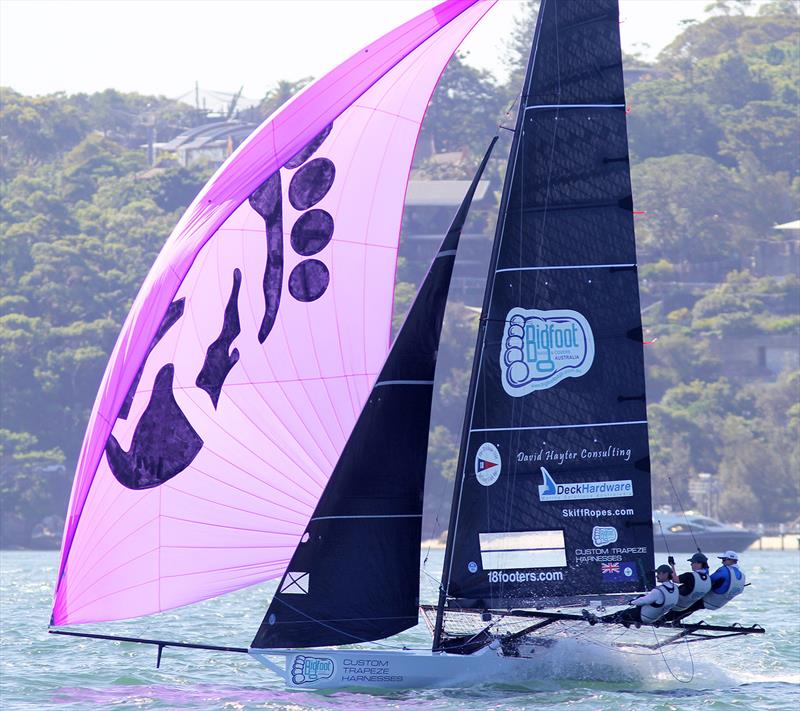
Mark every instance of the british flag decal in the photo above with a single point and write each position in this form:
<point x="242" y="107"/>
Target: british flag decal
<point x="619" y="572"/>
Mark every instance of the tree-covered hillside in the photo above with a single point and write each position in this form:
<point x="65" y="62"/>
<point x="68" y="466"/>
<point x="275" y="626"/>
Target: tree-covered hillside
<point x="713" y="134"/>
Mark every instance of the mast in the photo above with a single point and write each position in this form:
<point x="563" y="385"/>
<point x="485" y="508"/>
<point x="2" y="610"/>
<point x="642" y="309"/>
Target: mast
<point x="552" y="492"/>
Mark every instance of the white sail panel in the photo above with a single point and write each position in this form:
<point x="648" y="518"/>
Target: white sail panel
<point x="258" y="369"/>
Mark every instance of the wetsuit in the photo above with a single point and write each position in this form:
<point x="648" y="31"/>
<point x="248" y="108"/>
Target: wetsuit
<point x="724" y="587"/>
<point x="726" y="583"/>
<point x="648" y="608"/>
<point x="694" y="586"/>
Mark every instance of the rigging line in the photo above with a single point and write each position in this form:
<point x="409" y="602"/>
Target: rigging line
<point x="666" y="545"/>
<point x="425" y="572"/>
<point x="443" y="486"/>
<point x="443" y="481"/>
<point x="683" y="511"/>
<point x="666" y="663"/>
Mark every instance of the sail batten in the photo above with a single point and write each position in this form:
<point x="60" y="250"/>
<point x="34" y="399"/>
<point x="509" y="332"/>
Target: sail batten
<point x="570" y="426"/>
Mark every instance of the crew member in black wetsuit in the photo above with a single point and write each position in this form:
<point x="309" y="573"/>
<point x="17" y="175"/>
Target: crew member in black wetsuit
<point x="694" y="585"/>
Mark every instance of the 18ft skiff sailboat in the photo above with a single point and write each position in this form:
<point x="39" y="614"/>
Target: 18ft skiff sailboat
<point x="252" y="423"/>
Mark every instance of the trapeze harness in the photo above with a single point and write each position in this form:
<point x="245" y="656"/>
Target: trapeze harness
<point x="716" y="599"/>
<point x="656" y="610"/>
<point x="702" y="586"/>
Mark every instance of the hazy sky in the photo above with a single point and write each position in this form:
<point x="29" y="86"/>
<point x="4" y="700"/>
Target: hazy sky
<point x="164" y="46"/>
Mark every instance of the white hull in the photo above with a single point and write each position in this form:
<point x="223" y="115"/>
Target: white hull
<point x="376" y="669"/>
<point x="424" y="669"/>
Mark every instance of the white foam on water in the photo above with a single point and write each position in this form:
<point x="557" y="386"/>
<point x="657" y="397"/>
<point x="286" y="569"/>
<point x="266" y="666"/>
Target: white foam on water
<point x="680" y="666"/>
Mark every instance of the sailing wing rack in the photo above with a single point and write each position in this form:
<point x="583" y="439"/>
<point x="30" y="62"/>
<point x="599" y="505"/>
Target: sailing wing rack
<point x="471" y="629"/>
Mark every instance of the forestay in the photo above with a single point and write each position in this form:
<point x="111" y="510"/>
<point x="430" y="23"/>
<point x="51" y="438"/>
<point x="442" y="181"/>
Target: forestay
<point x="552" y="497"/>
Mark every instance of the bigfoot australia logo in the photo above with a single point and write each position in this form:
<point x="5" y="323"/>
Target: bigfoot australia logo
<point x="306" y="670"/>
<point x="541" y="348"/>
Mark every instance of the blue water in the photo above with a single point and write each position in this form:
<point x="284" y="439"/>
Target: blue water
<point x="41" y="671"/>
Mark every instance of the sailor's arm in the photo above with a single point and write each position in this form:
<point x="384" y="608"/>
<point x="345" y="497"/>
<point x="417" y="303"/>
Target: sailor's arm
<point x="720" y="579"/>
<point x="648" y="599"/>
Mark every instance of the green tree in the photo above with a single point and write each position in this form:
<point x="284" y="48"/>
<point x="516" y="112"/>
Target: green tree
<point x="465" y="110"/>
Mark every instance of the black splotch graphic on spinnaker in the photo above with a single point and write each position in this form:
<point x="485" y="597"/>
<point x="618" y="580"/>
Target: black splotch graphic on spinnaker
<point x="312" y="232"/>
<point x="311" y="183"/>
<point x="163" y="445"/>
<point x="174" y="312"/>
<point x="308" y="280"/>
<point x="306" y="152"/>
<point x="219" y="362"/>
<point x="266" y="201"/>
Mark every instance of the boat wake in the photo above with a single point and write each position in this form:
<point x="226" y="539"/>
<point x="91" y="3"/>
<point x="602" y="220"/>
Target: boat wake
<point x="581" y="661"/>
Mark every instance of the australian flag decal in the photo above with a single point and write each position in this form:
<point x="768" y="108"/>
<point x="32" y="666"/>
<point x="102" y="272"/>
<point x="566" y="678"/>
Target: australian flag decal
<point x="619" y="572"/>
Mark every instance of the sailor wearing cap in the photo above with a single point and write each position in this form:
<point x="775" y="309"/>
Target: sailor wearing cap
<point x="651" y="607"/>
<point x="694" y="586"/>
<point x="727" y="582"/>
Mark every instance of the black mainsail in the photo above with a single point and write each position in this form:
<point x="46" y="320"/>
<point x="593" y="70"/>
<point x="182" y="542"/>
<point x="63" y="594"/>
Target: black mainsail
<point x="355" y="575"/>
<point x="552" y="493"/>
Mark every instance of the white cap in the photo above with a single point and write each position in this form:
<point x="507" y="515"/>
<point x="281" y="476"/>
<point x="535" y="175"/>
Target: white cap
<point x="733" y="555"/>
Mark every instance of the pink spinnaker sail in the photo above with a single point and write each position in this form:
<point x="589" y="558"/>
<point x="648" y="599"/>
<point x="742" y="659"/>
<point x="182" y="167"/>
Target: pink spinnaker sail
<point x="255" y="339"/>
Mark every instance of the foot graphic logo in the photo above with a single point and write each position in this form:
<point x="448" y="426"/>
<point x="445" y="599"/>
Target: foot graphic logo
<point x="604" y="535"/>
<point x="542" y="348"/>
<point x="306" y="670"/>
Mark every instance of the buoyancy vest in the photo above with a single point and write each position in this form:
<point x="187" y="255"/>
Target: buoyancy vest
<point x="714" y="600"/>
<point x="656" y="610"/>
<point x="702" y="586"/>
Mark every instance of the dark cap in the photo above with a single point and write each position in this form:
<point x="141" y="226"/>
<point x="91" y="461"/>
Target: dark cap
<point x="699" y="558"/>
<point x="664" y="569"/>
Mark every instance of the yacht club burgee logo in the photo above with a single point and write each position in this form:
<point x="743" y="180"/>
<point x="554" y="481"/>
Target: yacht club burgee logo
<point x="541" y="348"/>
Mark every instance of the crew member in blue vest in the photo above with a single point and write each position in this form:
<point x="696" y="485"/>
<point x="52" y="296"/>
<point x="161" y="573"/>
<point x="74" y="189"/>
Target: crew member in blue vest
<point x="693" y="586"/>
<point x="651" y="607"/>
<point x="727" y="582"/>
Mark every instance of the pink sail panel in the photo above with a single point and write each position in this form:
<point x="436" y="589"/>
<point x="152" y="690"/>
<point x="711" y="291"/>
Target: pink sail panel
<point x="252" y="346"/>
